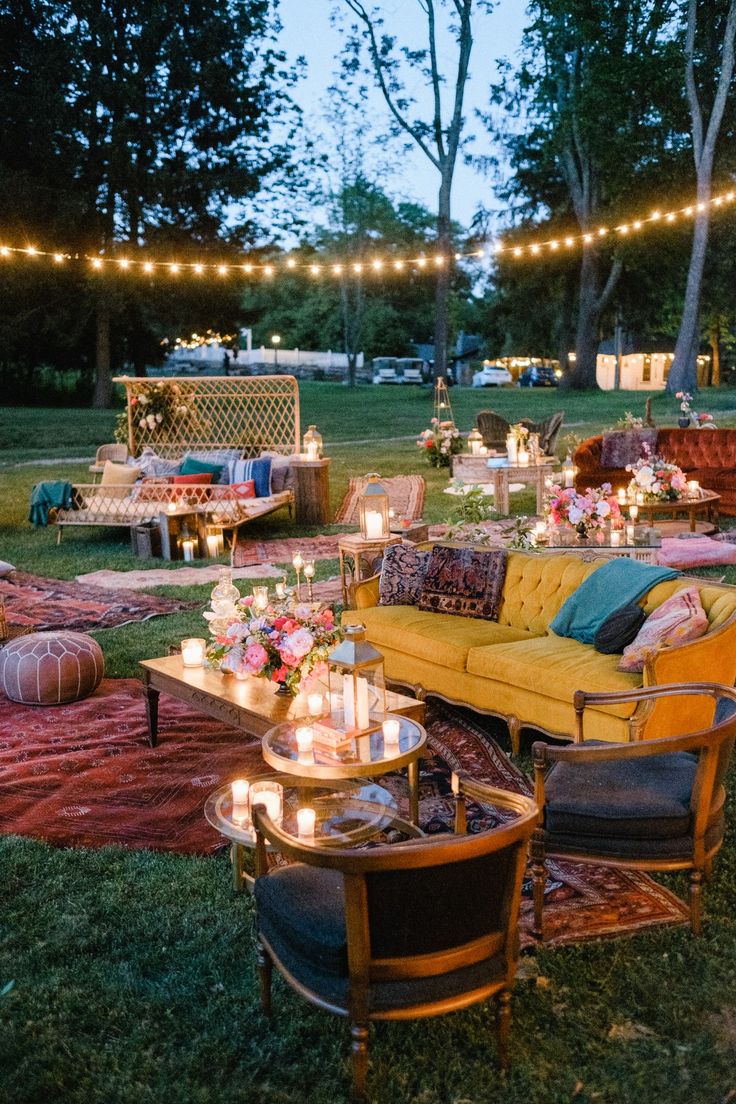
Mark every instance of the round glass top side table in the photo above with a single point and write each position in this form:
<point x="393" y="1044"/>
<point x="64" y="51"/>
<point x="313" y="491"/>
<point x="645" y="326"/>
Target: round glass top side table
<point x="363" y="757"/>
<point x="347" y="813"/>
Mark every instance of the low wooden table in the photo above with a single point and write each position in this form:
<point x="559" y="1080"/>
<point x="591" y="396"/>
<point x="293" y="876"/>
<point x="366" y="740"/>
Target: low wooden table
<point x="701" y="513"/>
<point x="251" y="705"/>
<point x="499" y="473"/>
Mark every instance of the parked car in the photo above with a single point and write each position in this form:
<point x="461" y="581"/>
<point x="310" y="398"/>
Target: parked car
<point x="491" y="376"/>
<point x="540" y="375"/>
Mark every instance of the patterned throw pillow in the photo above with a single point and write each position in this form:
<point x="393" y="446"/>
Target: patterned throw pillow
<point x="257" y="470"/>
<point x="402" y="575"/>
<point x="464" y="581"/>
<point x="678" y="620"/>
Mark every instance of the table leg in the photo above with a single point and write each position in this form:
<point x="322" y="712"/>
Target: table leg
<point x="152" y="697"/>
<point x="343" y="582"/>
<point x="692" y="520"/>
<point x="237" y="854"/>
<point x="540" y="492"/>
<point x="412" y="777"/>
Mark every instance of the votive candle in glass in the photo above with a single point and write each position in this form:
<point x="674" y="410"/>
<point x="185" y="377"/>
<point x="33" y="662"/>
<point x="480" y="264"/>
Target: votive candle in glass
<point x="693" y="488"/>
<point x="639" y="498"/>
<point x="615" y="538"/>
<point x="187" y="550"/>
<point x="240" y="789"/>
<point x="193" y="651"/>
<point x="270" y="794"/>
<point x="305" y="820"/>
<point x="633" y="512"/>
<point x="391" y="730"/>
<point x="314" y="704"/>
<point x="523" y="456"/>
<point x="304" y="740"/>
<point x="260" y="598"/>
<point x="630" y="530"/>
<point x="622" y="496"/>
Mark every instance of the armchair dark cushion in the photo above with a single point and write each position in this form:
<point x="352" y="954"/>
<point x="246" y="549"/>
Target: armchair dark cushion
<point x="302" y="908"/>
<point x="635" y="799"/>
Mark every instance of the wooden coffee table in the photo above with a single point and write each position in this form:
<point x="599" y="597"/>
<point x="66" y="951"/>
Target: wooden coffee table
<point x="701" y="512"/>
<point x="251" y="705"/>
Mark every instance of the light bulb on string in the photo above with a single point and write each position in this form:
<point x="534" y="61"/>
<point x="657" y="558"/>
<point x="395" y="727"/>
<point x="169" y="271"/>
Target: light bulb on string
<point x="198" y="269"/>
<point x="58" y="258"/>
<point x="291" y="263"/>
<point x="148" y="267"/>
<point x="268" y="270"/>
<point x="222" y="270"/>
<point x="174" y="269"/>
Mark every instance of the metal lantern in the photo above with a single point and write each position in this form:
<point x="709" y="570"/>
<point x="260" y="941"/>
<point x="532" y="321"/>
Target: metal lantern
<point x="475" y="441"/>
<point x="312" y="443"/>
<point x="373" y="510"/>
<point x="356" y="683"/>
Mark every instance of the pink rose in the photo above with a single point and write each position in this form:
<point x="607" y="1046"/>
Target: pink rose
<point x="256" y="658"/>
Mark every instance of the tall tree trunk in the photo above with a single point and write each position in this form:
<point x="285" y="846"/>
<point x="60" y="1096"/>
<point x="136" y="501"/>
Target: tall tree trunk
<point x="442" y="287"/>
<point x="714" y="337"/>
<point x="582" y="377"/>
<point x="683" y="373"/>
<point x="103" y="371"/>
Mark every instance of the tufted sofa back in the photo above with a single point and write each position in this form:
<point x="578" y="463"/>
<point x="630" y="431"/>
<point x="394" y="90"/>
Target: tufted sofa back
<point x="536" y="586"/>
<point x="698" y="448"/>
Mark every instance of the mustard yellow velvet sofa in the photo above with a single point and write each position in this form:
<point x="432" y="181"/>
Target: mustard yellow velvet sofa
<point x="517" y="669"/>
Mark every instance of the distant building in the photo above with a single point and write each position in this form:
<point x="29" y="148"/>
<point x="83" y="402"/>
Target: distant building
<point x="640" y="371"/>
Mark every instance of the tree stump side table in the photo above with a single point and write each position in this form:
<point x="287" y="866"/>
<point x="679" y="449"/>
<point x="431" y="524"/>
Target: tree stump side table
<point x="359" y="552"/>
<point x="312" y="491"/>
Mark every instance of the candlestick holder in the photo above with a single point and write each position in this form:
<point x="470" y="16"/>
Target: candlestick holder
<point x="298" y="563"/>
<point x="309" y="576"/>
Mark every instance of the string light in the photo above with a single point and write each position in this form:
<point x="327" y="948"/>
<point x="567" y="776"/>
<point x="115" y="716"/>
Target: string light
<point x="269" y="269"/>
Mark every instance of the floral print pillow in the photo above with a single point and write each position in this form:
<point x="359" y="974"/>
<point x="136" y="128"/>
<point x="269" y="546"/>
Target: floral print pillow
<point x="402" y="575"/>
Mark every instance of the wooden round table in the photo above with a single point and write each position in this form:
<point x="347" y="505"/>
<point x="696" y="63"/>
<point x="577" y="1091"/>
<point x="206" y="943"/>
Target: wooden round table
<point x="703" y="506"/>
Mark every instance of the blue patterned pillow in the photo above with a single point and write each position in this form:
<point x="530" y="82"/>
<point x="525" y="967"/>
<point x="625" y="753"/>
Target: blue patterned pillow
<point x="257" y="470"/>
<point x="402" y="575"/>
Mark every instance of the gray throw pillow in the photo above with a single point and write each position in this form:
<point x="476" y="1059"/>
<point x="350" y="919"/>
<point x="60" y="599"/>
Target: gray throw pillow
<point x="619" y="630"/>
<point x="282" y="473"/>
<point x="402" y="575"/>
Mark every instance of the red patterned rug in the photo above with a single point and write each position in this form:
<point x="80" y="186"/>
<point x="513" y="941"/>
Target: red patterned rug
<point x="248" y="553"/>
<point x="405" y="495"/>
<point x="83" y="775"/>
<point x="38" y="604"/>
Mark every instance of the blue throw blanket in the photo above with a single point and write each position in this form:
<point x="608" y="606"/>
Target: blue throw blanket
<point x="51" y="495"/>
<point x="612" y="586"/>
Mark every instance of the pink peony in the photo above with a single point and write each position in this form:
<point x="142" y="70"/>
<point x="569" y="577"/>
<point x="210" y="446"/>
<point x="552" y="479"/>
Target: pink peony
<point x="256" y="658"/>
<point x="299" y="643"/>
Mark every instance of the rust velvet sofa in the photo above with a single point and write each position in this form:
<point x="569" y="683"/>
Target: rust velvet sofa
<point x="708" y="455"/>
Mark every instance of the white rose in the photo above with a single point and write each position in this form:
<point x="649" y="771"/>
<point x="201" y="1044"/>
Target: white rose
<point x="142" y="423"/>
<point x="656" y="487"/>
<point x="574" y="514"/>
<point x="142" y="399"/>
<point x="159" y="418"/>
<point x="151" y="421"/>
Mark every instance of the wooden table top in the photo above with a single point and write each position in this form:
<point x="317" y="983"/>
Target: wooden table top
<point x="252" y="699"/>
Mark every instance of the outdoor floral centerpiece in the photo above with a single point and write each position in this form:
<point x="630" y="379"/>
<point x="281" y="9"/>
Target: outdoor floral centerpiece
<point x="655" y="478"/>
<point x="690" y="417"/>
<point x="441" y="442"/>
<point x="584" y="512"/>
<point x="287" y="646"/>
<point x="153" y="407"/>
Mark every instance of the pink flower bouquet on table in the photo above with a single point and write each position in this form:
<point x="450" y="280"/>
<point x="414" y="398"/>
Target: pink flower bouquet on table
<point x="289" y="648"/>
<point x="440" y="443"/>
<point x="656" y="479"/>
<point x="593" y="509"/>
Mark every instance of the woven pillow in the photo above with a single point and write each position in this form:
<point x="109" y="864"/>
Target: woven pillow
<point x="464" y="582"/>
<point x="402" y="575"/>
<point x="259" y="471"/>
<point x="678" y="620"/>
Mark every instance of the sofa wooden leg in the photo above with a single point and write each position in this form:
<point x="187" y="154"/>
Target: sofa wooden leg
<point x="514" y="725"/>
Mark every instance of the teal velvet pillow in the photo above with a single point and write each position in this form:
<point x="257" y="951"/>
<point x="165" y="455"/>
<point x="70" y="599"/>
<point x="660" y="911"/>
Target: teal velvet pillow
<point x="191" y="466"/>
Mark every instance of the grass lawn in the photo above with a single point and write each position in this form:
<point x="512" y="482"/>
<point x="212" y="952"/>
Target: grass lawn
<point x="133" y="973"/>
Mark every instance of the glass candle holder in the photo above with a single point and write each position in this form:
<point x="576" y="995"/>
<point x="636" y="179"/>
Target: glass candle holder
<point x="305" y="821"/>
<point x="193" y="651"/>
<point x="314" y="704"/>
<point x="270" y="794"/>
<point x="391" y="731"/>
<point x="260" y="598"/>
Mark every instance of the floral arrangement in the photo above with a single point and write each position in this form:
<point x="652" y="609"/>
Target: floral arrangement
<point x="520" y="432"/>
<point x="288" y="647"/>
<point x="154" y="406"/>
<point x="656" y="478"/>
<point x="590" y="510"/>
<point x="629" y="422"/>
<point x="441" y="442"/>
<point x="700" y="421"/>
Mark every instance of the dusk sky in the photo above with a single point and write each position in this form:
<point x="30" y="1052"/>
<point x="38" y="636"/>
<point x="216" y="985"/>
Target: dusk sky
<point x="307" y="31"/>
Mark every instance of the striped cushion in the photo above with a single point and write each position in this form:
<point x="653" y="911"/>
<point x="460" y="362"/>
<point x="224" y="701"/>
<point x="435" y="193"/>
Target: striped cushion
<point x="258" y="470"/>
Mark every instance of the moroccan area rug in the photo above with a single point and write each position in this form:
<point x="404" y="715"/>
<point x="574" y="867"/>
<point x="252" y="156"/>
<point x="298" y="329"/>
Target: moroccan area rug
<point x="248" y="552"/>
<point x="38" y="604"/>
<point x="83" y="775"/>
<point x="405" y="496"/>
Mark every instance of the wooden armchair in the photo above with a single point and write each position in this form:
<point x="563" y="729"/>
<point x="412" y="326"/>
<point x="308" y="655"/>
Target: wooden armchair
<point x="547" y="430"/>
<point x="396" y="932"/>
<point x="649" y="805"/>
<point x="493" y="429"/>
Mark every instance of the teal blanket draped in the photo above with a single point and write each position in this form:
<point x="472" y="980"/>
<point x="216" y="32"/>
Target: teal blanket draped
<point x="612" y="586"/>
<point x="51" y="495"/>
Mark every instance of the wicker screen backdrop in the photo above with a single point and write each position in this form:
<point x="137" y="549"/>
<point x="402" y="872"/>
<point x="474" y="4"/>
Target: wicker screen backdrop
<point x="207" y="413"/>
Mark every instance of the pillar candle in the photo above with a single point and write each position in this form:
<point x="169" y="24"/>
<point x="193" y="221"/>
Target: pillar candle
<point x="391" y="729"/>
<point x="373" y="525"/>
<point x="213" y="545"/>
<point x="187" y="550"/>
<point x="305" y="819"/>
<point x="314" y="704"/>
<point x="192" y="652"/>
